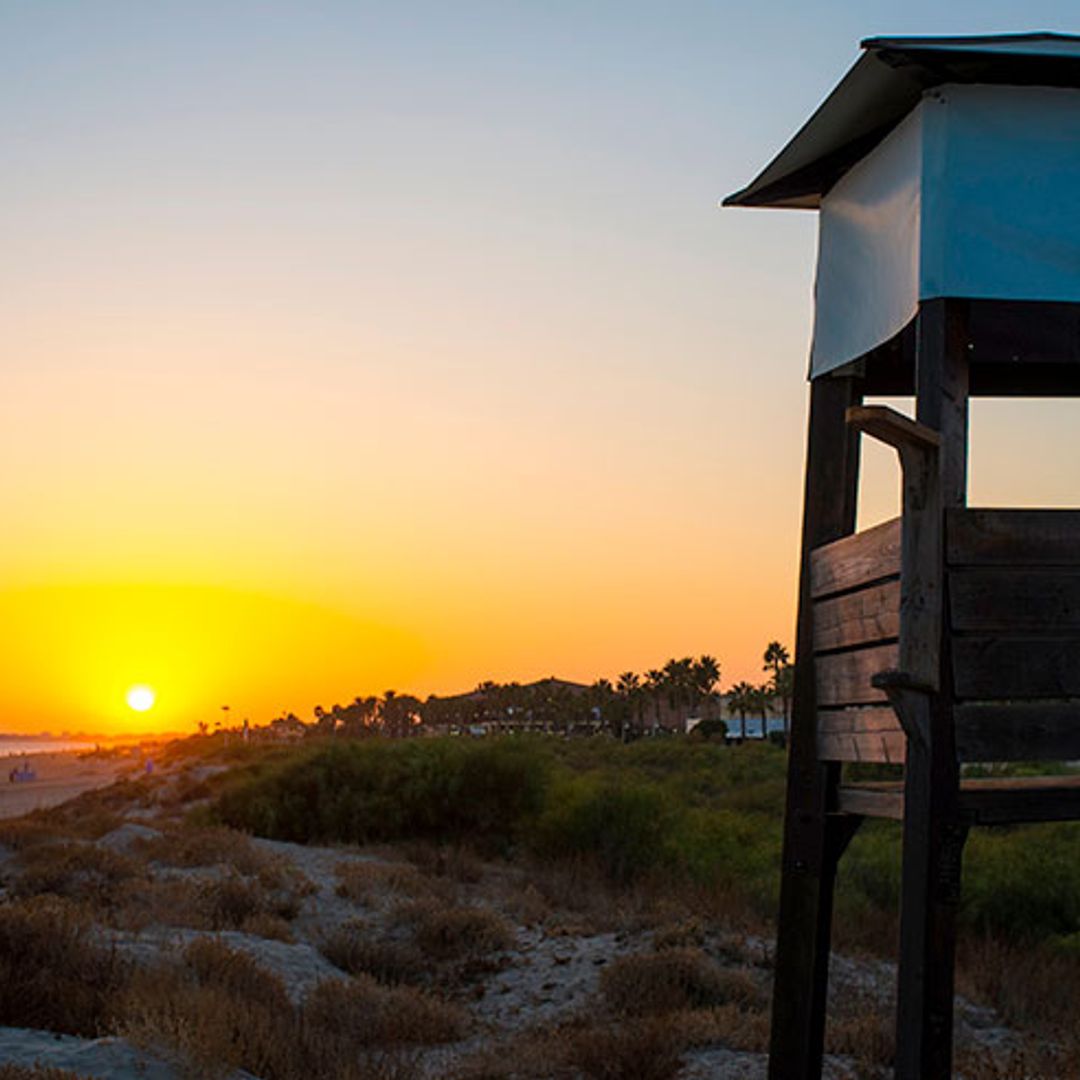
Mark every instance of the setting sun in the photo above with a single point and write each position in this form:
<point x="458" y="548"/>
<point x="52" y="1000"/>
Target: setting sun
<point x="141" y="698"/>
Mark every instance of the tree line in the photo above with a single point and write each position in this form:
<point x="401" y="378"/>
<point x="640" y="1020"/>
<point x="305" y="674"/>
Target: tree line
<point x="634" y="704"/>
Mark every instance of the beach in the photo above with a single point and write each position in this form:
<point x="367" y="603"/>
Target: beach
<point x="60" y="775"/>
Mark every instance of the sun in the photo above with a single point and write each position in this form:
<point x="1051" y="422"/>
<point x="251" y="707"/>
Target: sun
<point x="141" y="698"/>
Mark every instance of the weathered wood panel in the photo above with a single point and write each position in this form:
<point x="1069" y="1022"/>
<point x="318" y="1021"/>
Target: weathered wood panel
<point x="1016" y="668"/>
<point x="1006" y="600"/>
<point x="882" y="747"/>
<point x="856" y="560"/>
<point x="1008" y="801"/>
<point x="873" y="800"/>
<point x="844" y="678"/>
<point x="1012" y="537"/>
<point x="870" y="719"/>
<point x="870" y="734"/>
<point x="858" y="618"/>
<point x="989" y="731"/>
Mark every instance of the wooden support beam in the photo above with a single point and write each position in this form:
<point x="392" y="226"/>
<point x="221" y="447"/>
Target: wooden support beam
<point x="934" y="830"/>
<point x="811" y="843"/>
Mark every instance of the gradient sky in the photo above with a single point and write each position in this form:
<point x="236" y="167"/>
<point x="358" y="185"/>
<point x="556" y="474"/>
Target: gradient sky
<point x="349" y="346"/>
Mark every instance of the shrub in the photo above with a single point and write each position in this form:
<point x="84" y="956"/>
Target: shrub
<point x="218" y="1011"/>
<point x="684" y="978"/>
<point x="456" y="933"/>
<point x="363" y="1013"/>
<point x="369" y="882"/>
<point x="627" y="829"/>
<point x="74" y="870"/>
<point x="441" y="790"/>
<point x="230" y="902"/>
<point x="711" y="729"/>
<point x="648" y="1049"/>
<point x="1023" y="882"/>
<point x="356" y="950"/>
<point x="193" y="846"/>
<point x="53" y="975"/>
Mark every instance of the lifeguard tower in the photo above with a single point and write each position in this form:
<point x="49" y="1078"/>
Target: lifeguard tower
<point x="946" y="174"/>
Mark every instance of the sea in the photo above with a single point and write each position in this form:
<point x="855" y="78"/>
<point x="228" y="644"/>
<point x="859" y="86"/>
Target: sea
<point x="21" y="745"/>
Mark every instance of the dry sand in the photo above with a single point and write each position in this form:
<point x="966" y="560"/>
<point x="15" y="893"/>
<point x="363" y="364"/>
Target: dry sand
<point x="60" y="776"/>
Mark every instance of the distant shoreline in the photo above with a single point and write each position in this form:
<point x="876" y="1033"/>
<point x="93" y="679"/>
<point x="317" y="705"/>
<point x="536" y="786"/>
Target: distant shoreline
<point x="23" y="745"/>
<point x="60" y="775"/>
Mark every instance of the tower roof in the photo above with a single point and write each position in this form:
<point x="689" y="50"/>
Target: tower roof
<point x="883" y="86"/>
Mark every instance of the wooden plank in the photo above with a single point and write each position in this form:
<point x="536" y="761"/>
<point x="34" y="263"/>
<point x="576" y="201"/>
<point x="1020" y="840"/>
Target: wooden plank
<point x="991" y="731"/>
<point x="1012" y="537"/>
<point x="873" y="800"/>
<point x="1005" y="600"/>
<point x="859" y="618"/>
<point x="844" y="678"/>
<point x="884" y="747"/>
<point x="1016" y="800"/>
<point x="844" y="721"/>
<point x="856" y="560"/>
<point x="892" y="427"/>
<point x="1004" y="668"/>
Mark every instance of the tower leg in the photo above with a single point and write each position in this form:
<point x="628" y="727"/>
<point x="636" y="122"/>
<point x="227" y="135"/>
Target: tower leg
<point x="812" y="840"/>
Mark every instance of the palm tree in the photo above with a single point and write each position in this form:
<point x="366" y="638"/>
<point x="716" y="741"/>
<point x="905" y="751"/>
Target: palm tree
<point x="601" y="698"/>
<point x="760" y="699"/>
<point x="705" y="674"/>
<point x="741" y="701"/>
<point x="785" y="686"/>
<point x="629" y="691"/>
<point x="777" y="659"/>
<point x="655" y="684"/>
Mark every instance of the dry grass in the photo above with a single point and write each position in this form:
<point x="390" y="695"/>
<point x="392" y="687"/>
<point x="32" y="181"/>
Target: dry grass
<point x="457" y="934"/>
<point x="53" y="975"/>
<point x="218" y="1011"/>
<point x="372" y="883"/>
<point x="20" y="834"/>
<point x="77" y="871"/>
<point x="361" y="1012"/>
<point x="648" y="1049"/>
<point x="233" y="901"/>
<point x="357" y="949"/>
<point x="1032" y="1062"/>
<point x="732" y="1026"/>
<point x="456" y="862"/>
<point x="865" y="1031"/>
<point x="190" y="846"/>
<point x="1033" y="988"/>
<point x="648" y="984"/>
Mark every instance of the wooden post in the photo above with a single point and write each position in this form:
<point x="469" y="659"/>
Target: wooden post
<point x="934" y="833"/>
<point x="813" y="840"/>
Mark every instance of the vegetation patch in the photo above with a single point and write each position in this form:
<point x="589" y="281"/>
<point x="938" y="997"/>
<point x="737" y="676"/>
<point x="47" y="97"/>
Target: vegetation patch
<point x="77" y="871"/>
<point x="53" y="974"/>
<point x="358" y="949"/>
<point x="648" y="984"/>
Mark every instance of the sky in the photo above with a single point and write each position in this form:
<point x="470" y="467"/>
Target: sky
<point x="349" y="346"/>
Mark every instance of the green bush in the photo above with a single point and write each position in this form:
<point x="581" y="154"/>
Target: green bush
<point x="446" y="789"/>
<point x="627" y="830"/>
<point x="1023" y="882"/>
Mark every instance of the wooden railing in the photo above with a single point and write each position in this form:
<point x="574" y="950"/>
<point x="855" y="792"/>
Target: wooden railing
<point x="1014" y="610"/>
<point x="855" y="590"/>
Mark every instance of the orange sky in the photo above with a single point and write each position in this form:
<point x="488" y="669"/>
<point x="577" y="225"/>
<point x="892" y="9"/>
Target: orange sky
<point x="354" y="349"/>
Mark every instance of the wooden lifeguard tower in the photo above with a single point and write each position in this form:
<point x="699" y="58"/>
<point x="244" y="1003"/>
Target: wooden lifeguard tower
<point x="946" y="172"/>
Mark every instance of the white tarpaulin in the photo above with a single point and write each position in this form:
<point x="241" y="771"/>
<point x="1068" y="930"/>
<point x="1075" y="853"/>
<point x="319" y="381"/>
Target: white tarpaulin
<point x="976" y="193"/>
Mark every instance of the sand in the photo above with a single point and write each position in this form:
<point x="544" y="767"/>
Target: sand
<point x="60" y="776"/>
